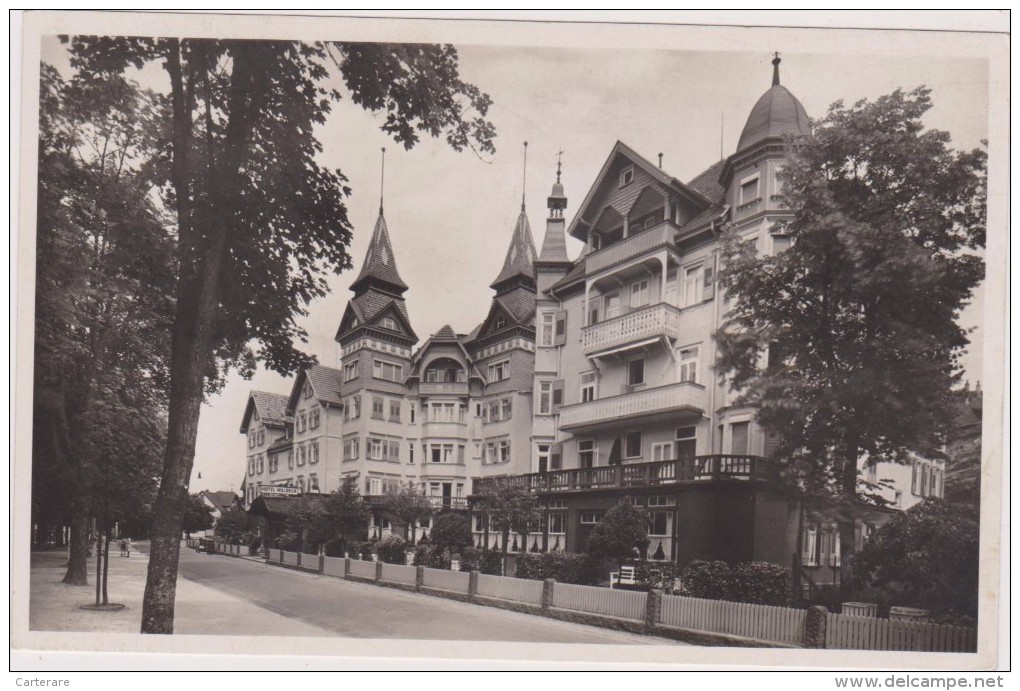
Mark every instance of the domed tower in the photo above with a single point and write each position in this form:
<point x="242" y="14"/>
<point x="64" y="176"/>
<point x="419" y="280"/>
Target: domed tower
<point x="750" y="174"/>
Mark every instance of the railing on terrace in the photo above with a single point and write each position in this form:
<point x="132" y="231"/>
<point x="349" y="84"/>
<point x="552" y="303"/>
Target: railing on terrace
<point x="660" y="399"/>
<point x="379" y="501"/>
<point x="430" y="388"/>
<point x="694" y="469"/>
<point x="635" y="245"/>
<point x="662" y="319"/>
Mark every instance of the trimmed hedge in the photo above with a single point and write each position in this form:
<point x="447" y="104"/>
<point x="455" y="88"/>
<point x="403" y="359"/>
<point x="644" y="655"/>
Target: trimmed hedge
<point x="565" y="567"/>
<point x="487" y="561"/>
<point x="392" y="549"/>
<point x="754" y="582"/>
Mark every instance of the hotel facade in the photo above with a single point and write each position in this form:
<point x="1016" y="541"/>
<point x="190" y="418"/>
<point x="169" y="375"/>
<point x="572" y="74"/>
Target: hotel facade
<point x="590" y="380"/>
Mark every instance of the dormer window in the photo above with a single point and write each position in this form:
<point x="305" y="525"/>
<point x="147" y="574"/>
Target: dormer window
<point x="626" y="176"/>
<point x="499" y="322"/>
<point x="389" y="323"/>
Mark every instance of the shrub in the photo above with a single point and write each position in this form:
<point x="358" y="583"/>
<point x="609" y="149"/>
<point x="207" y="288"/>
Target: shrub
<point x="655" y="576"/>
<point x="755" y="582"/>
<point x="707" y="579"/>
<point x="760" y="583"/>
<point x="430" y="556"/>
<point x="288" y="539"/>
<point x="368" y="548"/>
<point x="392" y="549"/>
<point x="564" y="567"/>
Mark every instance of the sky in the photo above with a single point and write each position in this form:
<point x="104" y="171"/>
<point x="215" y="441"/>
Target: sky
<point x="450" y="215"/>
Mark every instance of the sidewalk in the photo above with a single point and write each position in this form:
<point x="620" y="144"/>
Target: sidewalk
<point x="53" y="606"/>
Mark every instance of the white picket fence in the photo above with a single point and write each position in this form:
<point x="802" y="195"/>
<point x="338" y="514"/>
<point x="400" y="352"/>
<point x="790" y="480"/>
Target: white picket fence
<point x="455" y="581"/>
<point x="333" y="566"/>
<point x="516" y="589"/>
<point x="364" y="569"/>
<point x="626" y="604"/>
<point x="290" y="558"/>
<point x="843" y="631"/>
<point x="396" y="573"/>
<point x="777" y="624"/>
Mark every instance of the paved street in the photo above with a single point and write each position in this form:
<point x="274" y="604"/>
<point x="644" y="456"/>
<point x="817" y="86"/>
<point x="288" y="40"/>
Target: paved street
<point x="366" y="611"/>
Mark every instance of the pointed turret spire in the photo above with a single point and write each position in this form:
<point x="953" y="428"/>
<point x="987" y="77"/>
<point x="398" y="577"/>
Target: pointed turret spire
<point x="524" y="177"/>
<point x="775" y="68"/>
<point x="382" y="180"/>
<point x="380" y="266"/>
<point x="520" y="256"/>
<point x="554" y="245"/>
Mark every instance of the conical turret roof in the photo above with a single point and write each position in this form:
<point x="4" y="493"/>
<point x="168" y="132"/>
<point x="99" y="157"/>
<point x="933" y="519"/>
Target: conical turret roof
<point x="521" y="255"/>
<point x="776" y="113"/>
<point x="380" y="265"/>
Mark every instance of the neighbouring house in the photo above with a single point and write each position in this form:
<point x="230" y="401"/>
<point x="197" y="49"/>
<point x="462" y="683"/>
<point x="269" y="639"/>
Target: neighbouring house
<point x="218" y="502"/>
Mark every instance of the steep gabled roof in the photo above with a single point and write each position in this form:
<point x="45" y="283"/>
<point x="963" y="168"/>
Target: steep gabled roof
<point x="380" y="263"/>
<point x="521" y="255"/>
<point x="325" y="383"/>
<point x="271" y="407"/>
<point x="656" y="173"/>
<point x="366" y="307"/>
<point x="707" y="183"/>
<point x="222" y="500"/>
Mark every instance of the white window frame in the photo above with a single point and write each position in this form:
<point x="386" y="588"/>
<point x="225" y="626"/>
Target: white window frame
<point x="639" y="293"/>
<point x="630" y="373"/>
<point x="302" y="454"/>
<point x="626" y="444"/>
<point x="313" y="452"/>
<point x="590" y="517"/>
<point x="693" y="284"/>
<point x="744" y="182"/>
<point x="350" y="370"/>
<point x="590" y="447"/>
<point x="626" y="176"/>
<point x="689" y="364"/>
<point x="381" y="368"/>
<point x="547" y="329"/>
<point x="589" y="386"/>
<point x="545" y="396"/>
<point x="663" y="451"/>
<point x="388" y="323"/>
<point x="499" y="371"/>
<point x="314" y="416"/>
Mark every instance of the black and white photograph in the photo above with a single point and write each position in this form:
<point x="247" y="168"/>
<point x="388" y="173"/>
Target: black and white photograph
<point x="435" y="340"/>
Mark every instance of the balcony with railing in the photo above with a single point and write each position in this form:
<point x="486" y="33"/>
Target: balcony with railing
<point x="434" y="388"/>
<point x="632" y="407"/>
<point x="685" y="470"/>
<point x="635" y="245"/>
<point x="641" y="324"/>
<point x="381" y="501"/>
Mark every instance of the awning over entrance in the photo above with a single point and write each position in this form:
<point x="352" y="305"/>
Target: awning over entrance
<point x="273" y="508"/>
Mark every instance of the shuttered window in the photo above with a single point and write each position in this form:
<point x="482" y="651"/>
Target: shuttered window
<point x="738" y="445"/>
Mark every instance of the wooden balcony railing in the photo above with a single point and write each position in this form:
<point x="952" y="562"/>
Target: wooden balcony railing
<point x="432" y="388"/>
<point x="684" y="470"/>
<point x="662" y="319"/>
<point x="379" y="501"/>
<point x="660" y="399"/>
<point x="633" y="246"/>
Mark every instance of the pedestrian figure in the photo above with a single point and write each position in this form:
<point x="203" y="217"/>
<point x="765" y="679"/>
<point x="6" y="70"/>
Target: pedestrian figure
<point x="123" y="548"/>
<point x="129" y="547"/>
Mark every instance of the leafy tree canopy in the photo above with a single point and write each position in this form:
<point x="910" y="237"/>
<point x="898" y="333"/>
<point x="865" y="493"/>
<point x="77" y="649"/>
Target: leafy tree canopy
<point x="197" y="516"/>
<point x="925" y="557"/>
<point x="452" y="532"/>
<point x="859" y="317"/>
<point x="621" y="534"/>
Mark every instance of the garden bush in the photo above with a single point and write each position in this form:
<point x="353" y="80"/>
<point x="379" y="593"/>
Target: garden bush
<point x="564" y="567"/>
<point x="755" y="582"/>
<point x="431" y="556"/>
<point x="655" y="576"/>
<point x="392" y="549"/>
<point x="485" y="560"/>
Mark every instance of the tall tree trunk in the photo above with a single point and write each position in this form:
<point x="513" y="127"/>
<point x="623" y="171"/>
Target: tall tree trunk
<point x="77" y="561"/>
<point x="847" y="522"/>
<point x="192" y="346"/>
<point x="106" y="567"/>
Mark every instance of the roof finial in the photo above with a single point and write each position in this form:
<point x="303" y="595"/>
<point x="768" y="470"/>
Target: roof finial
<point x="382" y="179"/>
<point x="660" y="161"/>
<point x="559" y="164"/>
<point x="524" y="180"/>
<point x="775" y="68"/>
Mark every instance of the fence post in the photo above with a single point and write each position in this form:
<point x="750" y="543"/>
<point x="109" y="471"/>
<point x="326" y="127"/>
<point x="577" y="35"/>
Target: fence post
<point x="281" y="556"/>
<point x="547" y="593"/>
<point x="299" y="558"/>
<point x="378" y="571"/>
<point x="419" y="577"/>
<point x="814" y="627"/>
<point x="322" y="563"/>
<point x="347" y="568"/>
<point x="472" y="585"/>
<point x="653" y="608"/>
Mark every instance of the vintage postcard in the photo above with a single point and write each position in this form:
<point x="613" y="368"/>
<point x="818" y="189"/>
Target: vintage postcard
<point x="522" y="339"/>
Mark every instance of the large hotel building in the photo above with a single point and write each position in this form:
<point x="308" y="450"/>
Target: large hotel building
<point x="590" y="381"/>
